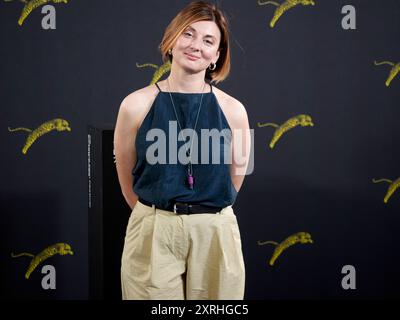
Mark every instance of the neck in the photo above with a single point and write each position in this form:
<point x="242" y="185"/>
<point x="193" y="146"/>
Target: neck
<point x="180" y="81"/>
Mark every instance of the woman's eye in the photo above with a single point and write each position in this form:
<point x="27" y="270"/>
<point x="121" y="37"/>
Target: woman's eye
<point x="189" y="35"/>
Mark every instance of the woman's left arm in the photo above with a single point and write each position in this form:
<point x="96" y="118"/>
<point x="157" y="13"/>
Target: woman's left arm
<point x="241" y="144"/>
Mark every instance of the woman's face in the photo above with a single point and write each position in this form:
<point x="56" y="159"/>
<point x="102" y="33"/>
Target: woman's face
<point x="197" y="46"/>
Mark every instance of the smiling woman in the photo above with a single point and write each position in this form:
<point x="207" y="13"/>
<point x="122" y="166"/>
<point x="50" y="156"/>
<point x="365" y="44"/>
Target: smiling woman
<point x="182" y="239"/>
<point x="202" y="33"/>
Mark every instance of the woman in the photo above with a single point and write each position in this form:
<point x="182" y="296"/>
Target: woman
<point x="182" y="240"/>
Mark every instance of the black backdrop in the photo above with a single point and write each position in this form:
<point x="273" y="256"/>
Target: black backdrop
<point x="316" y="179"/>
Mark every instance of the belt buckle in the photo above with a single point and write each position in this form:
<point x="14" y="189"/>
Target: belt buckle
<point x="187" y="207"/>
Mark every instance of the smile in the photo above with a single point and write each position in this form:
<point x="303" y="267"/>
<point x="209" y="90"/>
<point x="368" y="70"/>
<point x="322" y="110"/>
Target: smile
<point x="190" y="57"/>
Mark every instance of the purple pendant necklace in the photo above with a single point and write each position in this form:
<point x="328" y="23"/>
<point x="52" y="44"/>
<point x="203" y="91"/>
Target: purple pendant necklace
<point x="190" y="177"/>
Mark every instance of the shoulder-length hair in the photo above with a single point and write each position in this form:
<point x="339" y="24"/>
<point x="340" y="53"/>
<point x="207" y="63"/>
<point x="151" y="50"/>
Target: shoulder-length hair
<point x="200" y="11"/>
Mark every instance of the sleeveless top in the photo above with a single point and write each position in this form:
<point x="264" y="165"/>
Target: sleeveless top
<point x="165" y="183"/>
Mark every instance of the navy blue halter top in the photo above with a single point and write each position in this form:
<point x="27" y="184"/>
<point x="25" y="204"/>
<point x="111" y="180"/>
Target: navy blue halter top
<point x="163" y="184"/>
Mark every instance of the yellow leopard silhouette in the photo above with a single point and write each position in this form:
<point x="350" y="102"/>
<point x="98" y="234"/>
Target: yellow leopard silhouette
<point x="160" y="71"/>
<point x="393" y="72"/>
<point x="55" y="124"/>
<point x="282" y="8"/>
<point x="301" y="119"/>
<point x="60" y="248"/>
<point x="32" y="5"/>
<point x="392" y="187"/>
<point x="300" y="237"/>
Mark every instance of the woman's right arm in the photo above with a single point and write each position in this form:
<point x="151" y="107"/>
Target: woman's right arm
<point x="124" y="146"/>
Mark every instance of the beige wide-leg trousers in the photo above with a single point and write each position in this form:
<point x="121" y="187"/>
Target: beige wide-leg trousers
<point x="171" y="256"/>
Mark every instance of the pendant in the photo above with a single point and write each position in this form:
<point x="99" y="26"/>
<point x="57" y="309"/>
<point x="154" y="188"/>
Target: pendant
<point x="190" y="181"/>
<point x="190" y="178"/>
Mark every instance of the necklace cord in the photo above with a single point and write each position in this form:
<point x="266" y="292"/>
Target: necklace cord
<point x="189" y="154"/>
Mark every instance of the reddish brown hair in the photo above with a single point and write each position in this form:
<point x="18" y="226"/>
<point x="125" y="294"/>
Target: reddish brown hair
<point x="200" y="11"/>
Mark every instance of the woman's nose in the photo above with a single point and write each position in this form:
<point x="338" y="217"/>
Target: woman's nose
<point x="195" y="45"/>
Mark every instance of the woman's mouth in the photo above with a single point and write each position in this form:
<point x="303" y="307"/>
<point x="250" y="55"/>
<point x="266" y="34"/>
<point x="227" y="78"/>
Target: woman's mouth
<point x="190" y="57"/>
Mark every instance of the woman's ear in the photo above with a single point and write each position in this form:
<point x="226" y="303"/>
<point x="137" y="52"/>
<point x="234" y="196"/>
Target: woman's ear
<point x="217" y="55"/>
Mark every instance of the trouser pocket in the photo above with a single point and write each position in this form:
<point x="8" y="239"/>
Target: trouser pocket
<point x="138" y="232"/>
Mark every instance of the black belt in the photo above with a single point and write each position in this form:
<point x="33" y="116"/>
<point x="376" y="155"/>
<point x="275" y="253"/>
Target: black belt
<point x="185" y="208"/>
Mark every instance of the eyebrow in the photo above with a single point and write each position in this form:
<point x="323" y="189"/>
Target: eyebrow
<point x="206" y="36"/>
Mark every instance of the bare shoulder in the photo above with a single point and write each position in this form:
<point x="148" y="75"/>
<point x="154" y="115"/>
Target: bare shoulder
<point x="234" y="111"/>
<point x="136" y="104"/>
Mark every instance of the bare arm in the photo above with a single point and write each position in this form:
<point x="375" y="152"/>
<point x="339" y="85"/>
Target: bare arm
<point x="241" y="145"/>
<point x="124" y="147"/>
